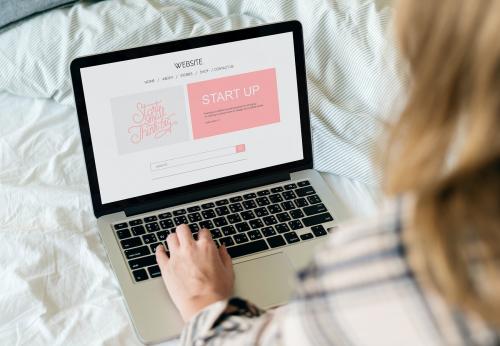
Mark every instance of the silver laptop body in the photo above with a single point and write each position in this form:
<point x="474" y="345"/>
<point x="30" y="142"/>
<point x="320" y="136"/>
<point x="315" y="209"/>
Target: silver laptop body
<point x="271" y="218"/>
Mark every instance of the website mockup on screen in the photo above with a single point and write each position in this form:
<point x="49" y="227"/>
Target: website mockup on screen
<point x="176" y="119"/>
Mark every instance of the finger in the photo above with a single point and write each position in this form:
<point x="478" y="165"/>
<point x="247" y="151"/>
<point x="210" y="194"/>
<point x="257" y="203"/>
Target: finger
<point x="162" y="258"/>
<point x="204" y="234"/>
<point x="172" y="242"/>
<point x="224" y="256"/>
<point x="184" y="235"/>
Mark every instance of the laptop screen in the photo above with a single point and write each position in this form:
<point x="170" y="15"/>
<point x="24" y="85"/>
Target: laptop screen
<point x="171" y="120"/>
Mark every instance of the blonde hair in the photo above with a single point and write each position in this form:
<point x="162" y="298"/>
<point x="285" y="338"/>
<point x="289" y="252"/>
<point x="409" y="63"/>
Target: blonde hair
<point x="445" y="148"/>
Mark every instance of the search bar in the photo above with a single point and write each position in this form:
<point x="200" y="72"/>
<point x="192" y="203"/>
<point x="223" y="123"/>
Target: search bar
<point x="199" y="161"/>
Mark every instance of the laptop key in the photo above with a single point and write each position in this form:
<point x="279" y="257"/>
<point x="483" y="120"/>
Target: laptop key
<point x="249" y="196"/>
<point x="276" y="241"/>
<point x="162" y="235"/>
<point x="242" y="227"/>
<point x="179" y="212"/>
<point x="289" y="195"/>
<point x="296" y="214"/>
<point x="306" y="236"/>
<point x="222" y="202"/>
<point x="248" y="215"/>
<point x="131" y="242"/>
<point x="290" y="186"/>
<point x="216" y="233"/>
<point x="194" y="227"/>
<point x="123" y="233"/>
<point x="254" y="235"/>
<point x="240" y="238"/>
<point x="236" y="207"/>
<point x="140" y="275"/>
<point x="227" y="241"/>
<point x="270" y="220"/>
<point x="268" y="231"/>
<point x="179" y="220"/>
<point x="263" y="201"/>
<point x="163" y="216"/>
<point x="149" y="238"/>
<point x="150" y="218"/>
<point x="291" y="237"/>
<point x="248" y="248"/>
<point x="263" y="192"/>
<point x="228" y="230"/>
<point x="152" y="227"/>
<point x="235" y="199"/>
<point x="153" y="247"/>
<point x="166" y="224"/>
<point x="274" y="209"/>
<point x="305" y="191"/>
<point x="277" y="189"/>
<point x="208" y="214"/>
<point x="142" y="262"/>
<point x="221" y="211"/>
<point x="315" y="209"/>
<point x="220" y="221"/>
<point x="319" y="230"/>
<point x="283" y="217"/>
<point x="234" y="218"/>
<point x="193" y="209"/>
<point x="303" y="183"/>
<point x="208" y="224"/>
<point x="301" y="202"/>
<point x="250" y="204"/>
<point x="317" y="219"/>
<point x="208" y="205"/>
<point x="282" y="228"/>
<point x="138" y="230"/>
<point x="121" y="225"/>
<point x="256" y="223"/>
<point x="295" y="224"/>
<point x="314" y="199"/>
<point x="135" y="222"/>
<point x="260" y="212"/>
<point x="276" y="198"/>
<point x="195" y="217"/>
<point x="137" y="252"/>
<point x="154" y="271"/>
<point x="288" y="205"/>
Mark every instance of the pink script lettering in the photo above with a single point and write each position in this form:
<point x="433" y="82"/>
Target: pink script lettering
<point x="150" y="120"/>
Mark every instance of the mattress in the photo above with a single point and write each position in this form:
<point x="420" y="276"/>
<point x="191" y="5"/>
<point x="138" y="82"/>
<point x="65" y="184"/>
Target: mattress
<point x="56" y="286"/>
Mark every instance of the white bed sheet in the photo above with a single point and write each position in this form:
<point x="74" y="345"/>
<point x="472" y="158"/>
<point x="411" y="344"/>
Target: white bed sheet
<point x="56" y="285"/>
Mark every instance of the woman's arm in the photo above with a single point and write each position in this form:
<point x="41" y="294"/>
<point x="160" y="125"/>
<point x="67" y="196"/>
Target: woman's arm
<point x="200" y="280"/>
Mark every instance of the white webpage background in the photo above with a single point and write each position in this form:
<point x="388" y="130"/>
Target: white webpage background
<point x="126" y="176"/>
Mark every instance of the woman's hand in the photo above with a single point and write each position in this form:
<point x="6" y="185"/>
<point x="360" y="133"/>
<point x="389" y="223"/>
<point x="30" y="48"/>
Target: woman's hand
<point x="197" y="274"/>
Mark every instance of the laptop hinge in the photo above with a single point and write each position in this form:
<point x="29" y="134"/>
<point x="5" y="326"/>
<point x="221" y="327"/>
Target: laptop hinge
<point x="247" y="183"/>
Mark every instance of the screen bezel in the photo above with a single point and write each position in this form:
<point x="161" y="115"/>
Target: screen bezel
<point x="173" y="46"/>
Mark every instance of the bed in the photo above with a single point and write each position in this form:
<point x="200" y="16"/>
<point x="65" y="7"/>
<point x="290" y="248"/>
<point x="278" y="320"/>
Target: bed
<point x="57" y="287"/>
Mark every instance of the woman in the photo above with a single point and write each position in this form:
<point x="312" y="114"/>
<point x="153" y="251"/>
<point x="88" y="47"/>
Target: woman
<point x="424" y="272"/>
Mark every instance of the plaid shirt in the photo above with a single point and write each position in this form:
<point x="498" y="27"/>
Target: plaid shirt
<point x="359" y="290"/>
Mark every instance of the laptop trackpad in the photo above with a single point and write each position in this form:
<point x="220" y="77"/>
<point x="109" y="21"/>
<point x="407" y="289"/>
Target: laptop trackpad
<point x="265" y="281"/>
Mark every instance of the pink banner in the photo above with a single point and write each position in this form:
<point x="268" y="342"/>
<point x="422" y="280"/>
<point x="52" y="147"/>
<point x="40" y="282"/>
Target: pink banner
<point x="233" y="103"/>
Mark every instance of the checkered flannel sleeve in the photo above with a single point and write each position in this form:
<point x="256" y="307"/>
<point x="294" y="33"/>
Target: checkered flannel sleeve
<point x="358" y="290"/>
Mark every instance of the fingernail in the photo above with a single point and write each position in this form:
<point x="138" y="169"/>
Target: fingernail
<point x="158" y="248"/>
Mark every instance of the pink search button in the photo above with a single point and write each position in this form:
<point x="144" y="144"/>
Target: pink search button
<point x="240" y="148"/>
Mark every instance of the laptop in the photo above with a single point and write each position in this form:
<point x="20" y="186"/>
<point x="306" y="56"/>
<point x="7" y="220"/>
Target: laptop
<point x="213" y="132"/>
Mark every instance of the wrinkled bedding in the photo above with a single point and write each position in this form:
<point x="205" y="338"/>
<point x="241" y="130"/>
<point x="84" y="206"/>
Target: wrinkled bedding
<point x="57" y="287"/>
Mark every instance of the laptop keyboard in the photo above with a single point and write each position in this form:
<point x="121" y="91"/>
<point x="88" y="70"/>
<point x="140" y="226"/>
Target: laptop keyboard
<point x="245" y="224"/>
